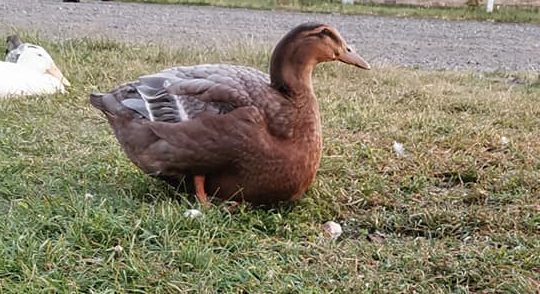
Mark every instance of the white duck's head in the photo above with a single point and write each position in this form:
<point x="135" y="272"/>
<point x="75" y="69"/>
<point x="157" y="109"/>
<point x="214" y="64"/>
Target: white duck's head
<point x="36" y="58"/>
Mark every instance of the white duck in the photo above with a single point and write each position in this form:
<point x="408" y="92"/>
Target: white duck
<point x="29" y="70"/>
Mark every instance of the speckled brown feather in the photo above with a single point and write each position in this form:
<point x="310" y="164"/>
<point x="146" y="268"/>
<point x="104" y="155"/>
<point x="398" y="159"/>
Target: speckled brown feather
<point x="253" y="137"/>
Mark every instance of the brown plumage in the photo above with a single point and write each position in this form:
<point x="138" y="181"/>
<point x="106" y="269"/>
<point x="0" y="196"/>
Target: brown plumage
<point x="234" y="131"/>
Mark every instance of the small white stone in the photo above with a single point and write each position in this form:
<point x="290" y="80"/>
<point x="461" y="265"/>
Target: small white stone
<point x="118" y="249"/>
<point x="192" y="213"/>
<point x="270" y="274"/>
<point x="504" y="141"/>
<point x="333" y="229"/>
<point x="88" y="196"/>
<point x="399" y="149"/>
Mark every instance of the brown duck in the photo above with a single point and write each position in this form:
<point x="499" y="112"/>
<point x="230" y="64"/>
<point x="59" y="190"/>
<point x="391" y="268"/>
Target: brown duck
<point x="231" y="131"/>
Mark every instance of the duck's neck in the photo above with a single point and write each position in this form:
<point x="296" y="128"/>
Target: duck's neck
<point x="290" y="72"/>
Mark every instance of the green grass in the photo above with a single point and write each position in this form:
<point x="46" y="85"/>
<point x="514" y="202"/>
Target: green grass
<point x="461" y="211"/>
<point x="503" y="14"/>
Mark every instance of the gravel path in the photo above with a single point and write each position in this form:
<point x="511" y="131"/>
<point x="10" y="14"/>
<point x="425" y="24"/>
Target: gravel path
<point x="423" y="43"/>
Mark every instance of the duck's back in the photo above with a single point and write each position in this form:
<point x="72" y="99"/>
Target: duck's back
<point x="183" y="93"/>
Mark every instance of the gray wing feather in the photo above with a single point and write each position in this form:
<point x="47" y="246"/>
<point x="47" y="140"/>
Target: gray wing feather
<point x="159" y="80"/>
<point x="138" y="105"/>
<point x="161" y="105"/>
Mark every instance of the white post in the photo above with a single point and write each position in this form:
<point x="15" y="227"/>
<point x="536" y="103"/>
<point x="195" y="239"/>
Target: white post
<point x="489" y="7"/>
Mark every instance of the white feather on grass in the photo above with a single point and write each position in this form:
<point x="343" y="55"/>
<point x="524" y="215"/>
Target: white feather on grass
<point x="398" y="149"/>
<point x="192" y="213"/>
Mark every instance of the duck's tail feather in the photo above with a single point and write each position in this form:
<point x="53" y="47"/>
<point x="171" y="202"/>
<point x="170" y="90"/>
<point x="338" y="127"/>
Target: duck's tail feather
<point x="12" y="48"/>
<point x="122" y="101"/>
<point x="12" y="43"/>
<point x="96" y="99"/>
<point x="106" y="103"/>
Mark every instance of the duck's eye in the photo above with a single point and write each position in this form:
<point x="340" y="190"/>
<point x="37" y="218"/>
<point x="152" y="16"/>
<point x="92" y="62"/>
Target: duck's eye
<point x="40" y="55"/>
<point x="349" y="49"/>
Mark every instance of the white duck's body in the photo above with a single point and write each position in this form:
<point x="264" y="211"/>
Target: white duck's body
<point x="17" y="80"/>
<point x="29" y="70"/>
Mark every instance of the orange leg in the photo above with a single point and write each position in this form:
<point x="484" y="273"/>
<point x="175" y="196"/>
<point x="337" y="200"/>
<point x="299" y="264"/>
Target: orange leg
<point x="199" y="190"/>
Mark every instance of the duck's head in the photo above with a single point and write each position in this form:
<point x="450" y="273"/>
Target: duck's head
<point x="297" y="53"/>
<point x="326" y="44"/>
<point x="36" y="58"/>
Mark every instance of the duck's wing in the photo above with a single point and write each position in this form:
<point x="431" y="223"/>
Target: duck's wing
<point x="194" y="120"/>
<point x="199" y="146"/>
<point x="183" y="93"/>
<point x="205" y="145"/>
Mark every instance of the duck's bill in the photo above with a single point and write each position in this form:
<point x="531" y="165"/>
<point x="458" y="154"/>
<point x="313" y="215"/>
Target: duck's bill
<point x="352" y="58"/>
<point x="55" y="72"/>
